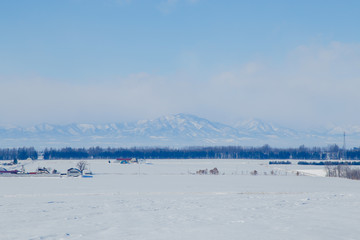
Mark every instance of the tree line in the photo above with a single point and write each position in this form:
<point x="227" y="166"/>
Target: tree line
<point x="224" y="152"/>
<point x="18" y="153"/>
<point x="332" y="152"/>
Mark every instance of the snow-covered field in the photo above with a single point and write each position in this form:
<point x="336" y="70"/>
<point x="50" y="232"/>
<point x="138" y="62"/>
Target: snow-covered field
<point x="163" y="199"/>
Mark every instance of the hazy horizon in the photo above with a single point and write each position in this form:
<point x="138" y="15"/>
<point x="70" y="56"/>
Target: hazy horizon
<point x="294" y="64"/>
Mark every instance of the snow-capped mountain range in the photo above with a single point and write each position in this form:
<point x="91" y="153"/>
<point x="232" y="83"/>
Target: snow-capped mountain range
<point x="172" y="131"/>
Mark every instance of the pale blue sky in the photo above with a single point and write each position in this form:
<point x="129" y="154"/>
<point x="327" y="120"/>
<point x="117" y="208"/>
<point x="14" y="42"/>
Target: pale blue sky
<point x="120" y="60"/>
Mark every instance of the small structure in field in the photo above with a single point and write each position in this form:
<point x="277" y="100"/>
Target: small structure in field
<point x="126" y="160"/>
<point x="214" y="171"/>
<point x="73" y="172"/>
<point x="202" y="172"/>
<point x="87" y="174"/>
<point x="43" y="170"/>
<point x="4" y="171"/>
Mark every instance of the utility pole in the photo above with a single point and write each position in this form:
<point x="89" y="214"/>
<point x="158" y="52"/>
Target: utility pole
<point x="344" y="148"/>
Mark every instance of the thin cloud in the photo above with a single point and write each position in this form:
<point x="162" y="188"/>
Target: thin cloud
<point x="168" y="6"/>
<point x="314" y="85"/>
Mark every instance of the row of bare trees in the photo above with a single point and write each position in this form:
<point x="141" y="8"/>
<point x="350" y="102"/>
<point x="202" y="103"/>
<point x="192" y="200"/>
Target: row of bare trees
<point x="343" y="171"/>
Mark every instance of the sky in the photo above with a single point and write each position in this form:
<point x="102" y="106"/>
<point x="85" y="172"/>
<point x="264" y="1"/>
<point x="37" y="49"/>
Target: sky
<point x="295" y="63"/>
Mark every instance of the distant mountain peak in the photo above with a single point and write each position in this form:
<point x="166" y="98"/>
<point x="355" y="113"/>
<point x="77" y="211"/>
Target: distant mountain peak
<point x="255" y="125"/>
<point x="259" y="127"/>
<point x="171" y="130"/>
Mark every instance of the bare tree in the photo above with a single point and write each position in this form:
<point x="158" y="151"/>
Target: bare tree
<point x="343" y="171"/>
<point x="82" y="165"/>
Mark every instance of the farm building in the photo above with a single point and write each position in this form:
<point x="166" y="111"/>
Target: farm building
<point x="73" y="172"/>
<point x="126" y="160"/>
<point x="4" y="171"/>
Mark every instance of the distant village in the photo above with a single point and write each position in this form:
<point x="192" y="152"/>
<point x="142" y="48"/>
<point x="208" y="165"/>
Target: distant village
<point x="10" y="168"/>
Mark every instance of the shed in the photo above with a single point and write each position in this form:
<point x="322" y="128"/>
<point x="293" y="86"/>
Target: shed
<point x="126" y="160"/>
<point x="73" y="172"/>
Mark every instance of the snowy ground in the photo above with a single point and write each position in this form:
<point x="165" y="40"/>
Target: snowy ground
<point x="164" y="200"/>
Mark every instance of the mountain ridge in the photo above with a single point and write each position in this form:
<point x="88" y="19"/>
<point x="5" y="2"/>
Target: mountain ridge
<point x="172" y="130"/>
